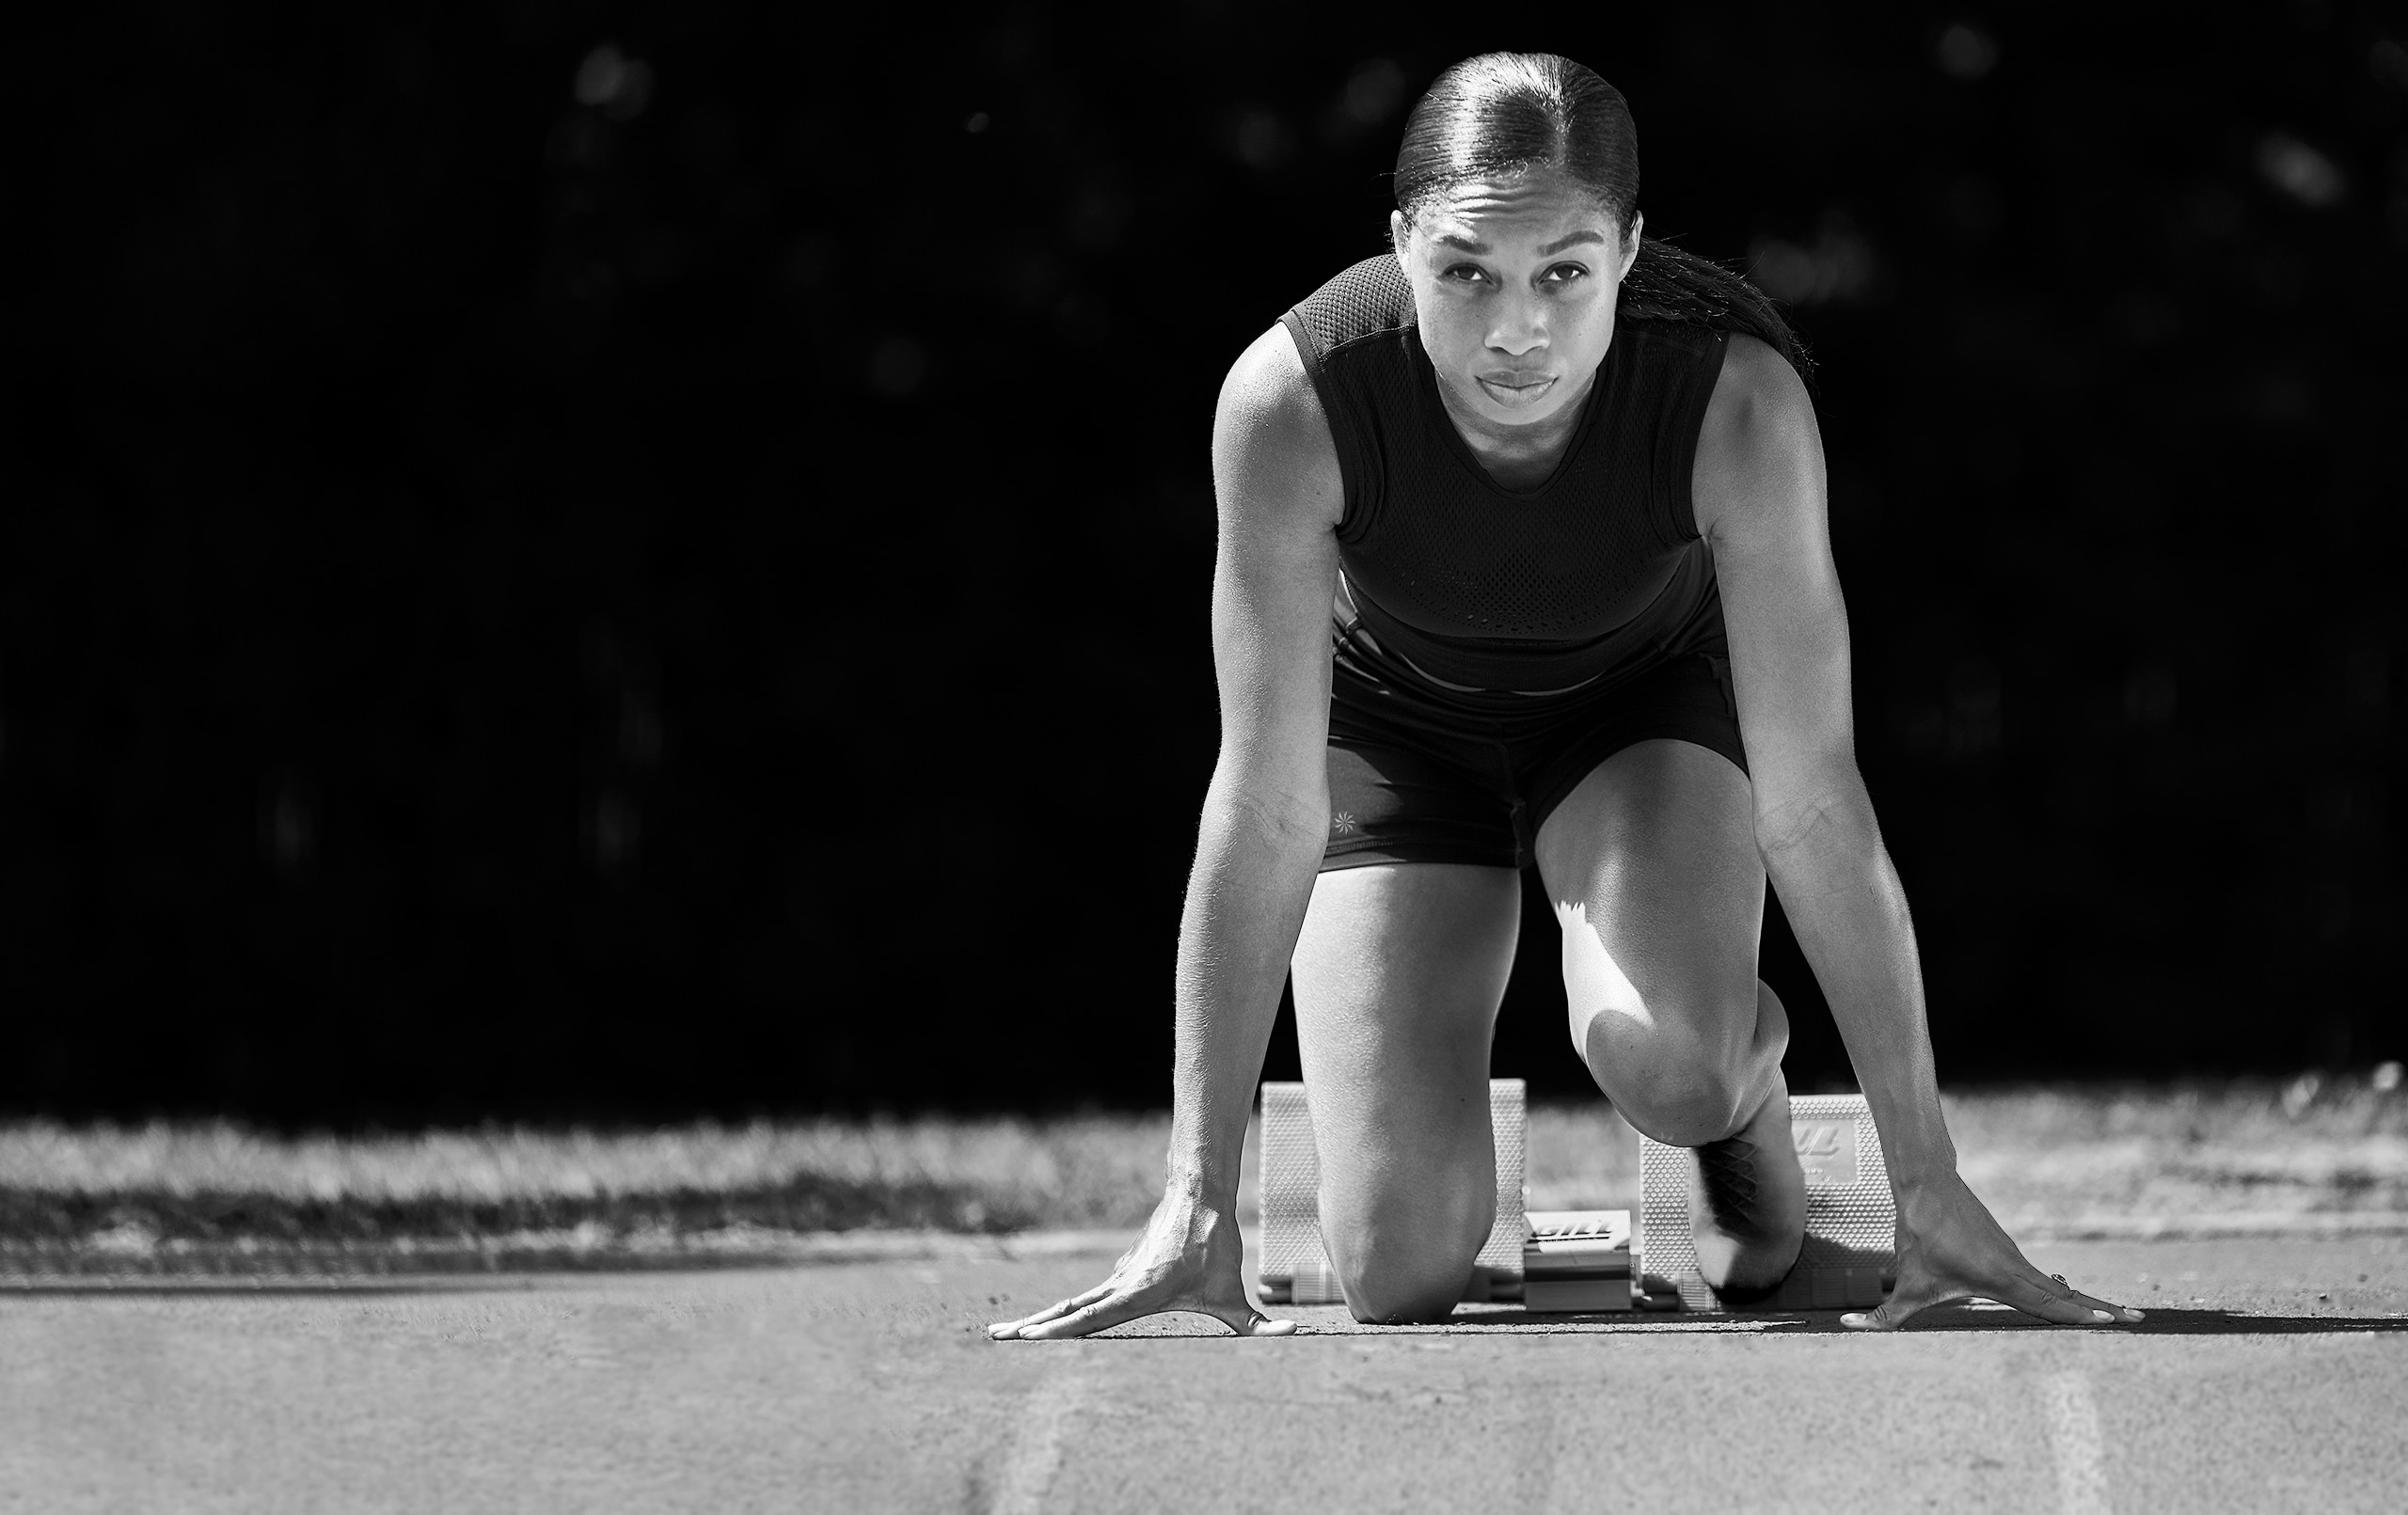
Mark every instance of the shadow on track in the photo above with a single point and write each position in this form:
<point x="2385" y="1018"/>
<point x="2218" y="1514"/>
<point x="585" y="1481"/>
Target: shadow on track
<point x="2158" y="1322"/>
<point x="2163" y="1322"/>
<point x="1960" y="1318"/>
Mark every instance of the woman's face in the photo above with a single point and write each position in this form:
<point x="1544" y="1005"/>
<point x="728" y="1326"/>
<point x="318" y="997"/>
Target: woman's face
<point x="1515" y="282"/>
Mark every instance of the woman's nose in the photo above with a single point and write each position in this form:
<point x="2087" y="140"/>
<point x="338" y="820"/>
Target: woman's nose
<point x="1520" y="328"/>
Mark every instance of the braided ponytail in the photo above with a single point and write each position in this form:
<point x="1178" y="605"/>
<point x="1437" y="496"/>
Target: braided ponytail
<point x="1505" y="113"/>
<point x="1667" y="284"/>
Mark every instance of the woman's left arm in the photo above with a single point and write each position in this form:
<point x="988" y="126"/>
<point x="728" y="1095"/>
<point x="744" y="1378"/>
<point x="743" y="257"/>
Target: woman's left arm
<point x="1759" y="493"/>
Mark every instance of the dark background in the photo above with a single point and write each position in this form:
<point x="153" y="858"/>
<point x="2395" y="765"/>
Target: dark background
<point x="550" y="583"/>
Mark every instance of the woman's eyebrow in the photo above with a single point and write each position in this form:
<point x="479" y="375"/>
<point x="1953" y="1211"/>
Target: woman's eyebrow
<point x="1468" y="244"/>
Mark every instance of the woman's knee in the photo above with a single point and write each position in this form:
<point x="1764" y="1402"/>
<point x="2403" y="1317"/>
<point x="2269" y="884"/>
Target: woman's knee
<point x="1688" y="1074"/>
<point x="1686" y="1104"/>
<point x="1406" y="1257"/>
<point x="1399" y="1291"/>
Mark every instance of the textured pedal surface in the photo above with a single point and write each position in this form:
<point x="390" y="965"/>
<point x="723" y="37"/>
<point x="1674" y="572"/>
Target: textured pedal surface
<point x="1847" y="1262"/>
<point x="1291" y="1191"/>
<point x="1295" y="1268"/>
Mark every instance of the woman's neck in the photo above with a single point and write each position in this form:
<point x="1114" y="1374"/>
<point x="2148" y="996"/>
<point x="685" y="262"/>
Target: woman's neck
<point x="1517" y="457"/>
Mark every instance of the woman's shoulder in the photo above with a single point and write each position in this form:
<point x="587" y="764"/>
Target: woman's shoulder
<point x="1365" y="302"/>
<point x="1271" y="409"/>
<point x="1758" y="426"/>
<point x="1757" y="390"/>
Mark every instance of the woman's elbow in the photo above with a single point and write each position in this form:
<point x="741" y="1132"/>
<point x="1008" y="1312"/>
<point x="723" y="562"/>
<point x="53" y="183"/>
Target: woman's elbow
<point x="1808" y="809"/>
<point x="1290" y="810"/>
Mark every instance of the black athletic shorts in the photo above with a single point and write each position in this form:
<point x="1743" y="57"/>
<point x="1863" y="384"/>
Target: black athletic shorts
<point x="1420" y="773"/>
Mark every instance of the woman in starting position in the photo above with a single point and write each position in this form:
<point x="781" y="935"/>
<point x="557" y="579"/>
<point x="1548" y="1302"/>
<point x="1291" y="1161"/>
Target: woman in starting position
<point x="1564" y="490"/>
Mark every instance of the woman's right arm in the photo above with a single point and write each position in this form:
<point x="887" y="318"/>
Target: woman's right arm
<point x="1266" y="819"/>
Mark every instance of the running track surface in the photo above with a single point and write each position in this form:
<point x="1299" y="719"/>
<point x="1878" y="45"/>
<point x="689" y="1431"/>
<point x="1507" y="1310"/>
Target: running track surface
<point x="2272" y="1375"/>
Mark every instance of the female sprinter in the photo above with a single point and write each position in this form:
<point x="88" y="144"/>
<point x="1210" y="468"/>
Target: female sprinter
<point x="1564" y="490"/>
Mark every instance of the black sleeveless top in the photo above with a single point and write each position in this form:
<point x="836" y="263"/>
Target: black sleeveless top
<point x="1598" y="574"/>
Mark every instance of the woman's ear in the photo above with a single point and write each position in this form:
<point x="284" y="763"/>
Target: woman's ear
<point x="1398" y="231"/>
<point x="1630" y="243"/>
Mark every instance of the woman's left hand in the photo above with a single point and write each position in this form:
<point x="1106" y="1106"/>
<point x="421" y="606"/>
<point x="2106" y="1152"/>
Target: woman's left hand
<point x="1950" y="1248"/>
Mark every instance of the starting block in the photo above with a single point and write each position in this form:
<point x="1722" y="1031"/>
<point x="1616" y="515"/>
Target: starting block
<point x="1296" y="1265"/>
<point x="1848" y="1261"/>
<point x="1584" y="1260"/>
<point x="1577" y="1260"/>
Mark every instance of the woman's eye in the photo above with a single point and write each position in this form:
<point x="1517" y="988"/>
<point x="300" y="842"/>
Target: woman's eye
<point x="1564" y="273"/>
<point x="1467" y="273"/>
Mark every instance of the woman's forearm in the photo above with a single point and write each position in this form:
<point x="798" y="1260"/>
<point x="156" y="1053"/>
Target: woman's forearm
<point x="1845" y="904"/>
<point x="1246" y="903"/>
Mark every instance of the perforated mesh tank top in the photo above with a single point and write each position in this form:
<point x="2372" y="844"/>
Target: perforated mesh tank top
<point x="1599" y="573"/>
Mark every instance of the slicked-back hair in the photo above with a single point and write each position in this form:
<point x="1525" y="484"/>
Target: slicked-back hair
<point x="1502" y="114"/>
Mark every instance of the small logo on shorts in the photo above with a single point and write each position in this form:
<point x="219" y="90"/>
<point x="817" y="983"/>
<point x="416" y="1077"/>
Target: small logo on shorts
<point x="1342" y="822"/>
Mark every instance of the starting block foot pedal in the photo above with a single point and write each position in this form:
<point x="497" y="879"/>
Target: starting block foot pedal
<point x="1578" y="1261"/>
<point x="1848" y="1260"/>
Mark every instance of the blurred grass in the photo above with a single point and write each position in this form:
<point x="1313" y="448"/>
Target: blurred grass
<point x="2044" y="1157"/>
<point x="2061" y="1158"/>
<point x="218" y="1181"/>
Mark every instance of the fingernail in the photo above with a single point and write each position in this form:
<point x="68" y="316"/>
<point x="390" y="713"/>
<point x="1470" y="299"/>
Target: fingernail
<point x="2101" y="1315"/>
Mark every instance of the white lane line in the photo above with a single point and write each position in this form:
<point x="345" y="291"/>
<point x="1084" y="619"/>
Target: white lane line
<point x="2074" y="1438"/>
<point x="1036" y="1453"/>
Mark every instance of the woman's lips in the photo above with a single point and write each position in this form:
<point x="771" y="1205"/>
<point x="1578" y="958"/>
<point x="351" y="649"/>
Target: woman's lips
<point x="1516" y="389"/>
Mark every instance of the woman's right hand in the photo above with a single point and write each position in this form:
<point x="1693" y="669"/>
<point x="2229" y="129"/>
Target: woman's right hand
<point x="1280" y="495"/>
<point x="1186" y="1260"/>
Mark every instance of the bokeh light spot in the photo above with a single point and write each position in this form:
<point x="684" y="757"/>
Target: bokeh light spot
<point x="899" y="367"/>
<point x="1259" y="139"/>
<point x="1976" y="708"/>
<point x="2283" y="400"/>
<point x="1836" y="267"/>
<point x="288" y="828"/>
<point x="2145" y="317"/>
<point x="2388" y="62"/>
<point x="1965" y="53"/>
<point x="1096" y="218"/>
<point x="2300" y="171"/>
<point x="621" y="85"/>
<point x="1082" y="319"/>
<point x="1374" y="90"/>
<point x="2150" y="696"/>
<point x="978" y="122"/>
<point x="615" y="829"/>
<point x="811" y="259"/>
<point x="1975" y="207"/>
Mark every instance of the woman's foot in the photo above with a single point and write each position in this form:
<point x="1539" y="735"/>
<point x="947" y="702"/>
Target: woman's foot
<point x="1747" y="1210"/>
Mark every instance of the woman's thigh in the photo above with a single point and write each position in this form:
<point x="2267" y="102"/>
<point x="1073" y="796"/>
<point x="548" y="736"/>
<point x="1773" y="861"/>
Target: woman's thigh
<point x="1652" y="867"/>
<point x="1398" y="974"/>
